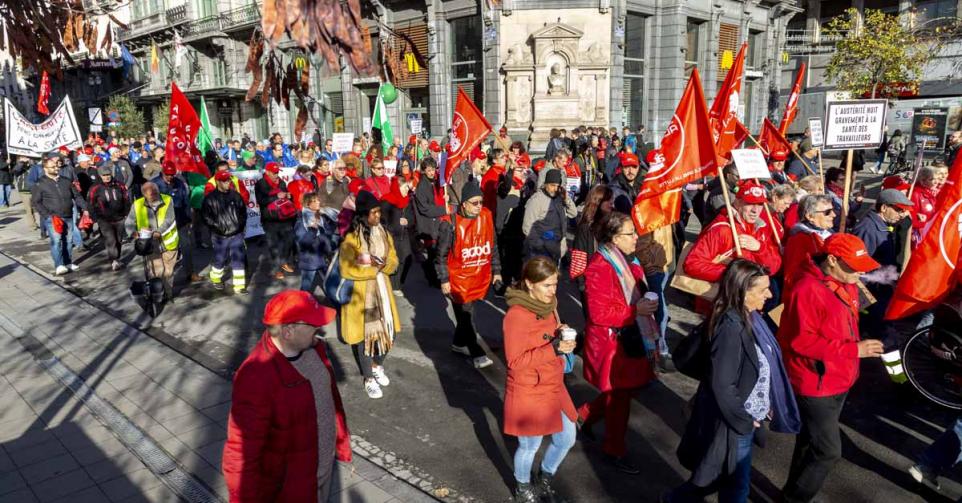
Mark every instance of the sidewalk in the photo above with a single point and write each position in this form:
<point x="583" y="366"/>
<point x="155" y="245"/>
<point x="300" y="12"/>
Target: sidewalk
<point x="95" y="410"/>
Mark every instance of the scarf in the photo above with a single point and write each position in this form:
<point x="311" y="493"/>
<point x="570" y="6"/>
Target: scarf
<point x="378" y="318"/>
<point x="808" y="229"/>
<point x="785" y="415"/>
<point x="309" y="218"/>
<point x="613" y="255"/>
<point x="518" y="297"/>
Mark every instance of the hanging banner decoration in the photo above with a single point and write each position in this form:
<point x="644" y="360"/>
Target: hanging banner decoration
<point x="854" y="124"/>
<point x="44" y="95"/>
<point x="33" y="140"/>
<point x="928" y="127"/>
<point x="815" y="128"/>
<point x="182" y="129"/>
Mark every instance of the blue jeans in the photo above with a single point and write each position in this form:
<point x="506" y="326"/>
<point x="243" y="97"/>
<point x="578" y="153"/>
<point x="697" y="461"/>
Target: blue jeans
<point x="310" y="278"/>
<point x="946" y="451"/>
<point x="60" y="249"/>
<point x="732" y="488"/>
<point x="561" y="442"/>
<point x="5" y="191"/>
<point x="76" y="239"/>
<point x="657" y="283"/>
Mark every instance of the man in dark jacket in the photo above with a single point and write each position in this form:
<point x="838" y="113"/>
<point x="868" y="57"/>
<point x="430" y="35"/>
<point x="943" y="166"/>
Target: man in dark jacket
<point x="225" y="214"/>
<point x="21" y="174"/>
<point x="54" y="197"/>
<point x="109" y="203"/>
<point x="820" y="340"/>
<point x="334" y="189"/>
<point x="271" y="193"/>
<point x="6" y="182"/>
<point x="429" y="209"/>
<point x="514" y="189"/>
<point x="625" y="185"/>
<point x="169" y="183"/>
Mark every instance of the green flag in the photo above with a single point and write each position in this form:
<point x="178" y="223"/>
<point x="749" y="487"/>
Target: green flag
<point x="205" y="140"/>
<point x="380" y="120"/>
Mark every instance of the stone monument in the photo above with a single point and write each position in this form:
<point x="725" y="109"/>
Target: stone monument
<point x="553" y="82"/>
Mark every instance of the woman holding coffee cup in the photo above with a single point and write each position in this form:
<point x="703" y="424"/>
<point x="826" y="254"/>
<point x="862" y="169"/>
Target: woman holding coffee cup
<point x="536" y="402"/>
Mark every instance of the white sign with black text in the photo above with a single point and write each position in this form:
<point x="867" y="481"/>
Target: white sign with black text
<point x="96" y="118"/>
<point x="815" y="128"/>
<point x="33" y="140"/>
<point x="342" y="142"/>
<point x="750" y="163"/>
<point x="854" y="124"/>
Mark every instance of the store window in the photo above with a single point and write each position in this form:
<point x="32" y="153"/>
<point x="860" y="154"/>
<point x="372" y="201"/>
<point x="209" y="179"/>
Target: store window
<point x="466" y="60"/>
<point x="634" y="76"/>
<point x="755" y="57"/>
<point x="693" y="47"/>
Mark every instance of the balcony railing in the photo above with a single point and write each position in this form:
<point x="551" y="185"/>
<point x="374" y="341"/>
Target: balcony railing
<point x="242" y="16"/>
<point x="209" y="24"/>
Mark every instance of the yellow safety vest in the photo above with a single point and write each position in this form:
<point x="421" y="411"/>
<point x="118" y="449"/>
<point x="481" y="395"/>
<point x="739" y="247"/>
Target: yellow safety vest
<point x="170" y="237"/>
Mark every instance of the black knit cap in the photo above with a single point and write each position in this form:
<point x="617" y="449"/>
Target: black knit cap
<point x="364" y="203"/>
<point x="470" y="189"/>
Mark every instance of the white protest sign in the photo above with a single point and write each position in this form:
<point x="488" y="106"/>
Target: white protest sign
<point x="249" y="178"/>
<point x="33" y="140"/>
<point x="815" y="128"/>
<point x="342" y="142"/>
<point x="416" y="126"/>
<point x="750" y="163"/>
<point x="854" y="124"/>
<point x="366" y="124"/>
<point x="390" y="167"/>
<point x="96" y="118"/>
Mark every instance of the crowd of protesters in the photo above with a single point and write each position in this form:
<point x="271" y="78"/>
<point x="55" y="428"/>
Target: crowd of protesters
<point x="511" y="224"/>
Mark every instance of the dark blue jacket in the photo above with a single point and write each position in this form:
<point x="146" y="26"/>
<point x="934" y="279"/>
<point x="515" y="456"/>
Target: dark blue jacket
<point x="879" y="238"/>
<point x="315" y="244"/>
<point x="180" y="193"/>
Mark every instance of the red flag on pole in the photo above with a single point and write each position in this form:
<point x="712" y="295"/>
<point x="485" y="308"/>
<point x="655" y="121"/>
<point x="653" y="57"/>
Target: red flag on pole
<point x="724" y="110"/>
<point x="44" y="95"/>
<point x="468" y="129"/>
<point x="791" y="107"/>
<point x="930" y="273"/>
<point x="687" y="151"/>
<point x="770" y="139"/>
<point x="182" y="129"/>
<point x="658" y="211"/>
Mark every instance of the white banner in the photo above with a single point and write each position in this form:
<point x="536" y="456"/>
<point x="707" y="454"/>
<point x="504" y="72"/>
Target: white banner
<point x="249" y="178"/>
<point x="750" y="163"/>
<point x="34" y="140"/>
<point x="342" y="142"/>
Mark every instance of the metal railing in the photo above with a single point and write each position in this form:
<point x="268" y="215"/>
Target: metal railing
<point x="241" y="16"/>
<point x="209" y="24"/>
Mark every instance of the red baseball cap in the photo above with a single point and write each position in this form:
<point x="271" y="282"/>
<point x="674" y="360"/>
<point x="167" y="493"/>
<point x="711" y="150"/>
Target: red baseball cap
<point x="778" y="155"/>
<point x="222" y="176"/>
<point x="895" y="182"/>
<point x="434" y="146"/>
<point x="851" y="250"/>
<point x="169" y="169"/>
<point x="413" y="139"/>
<point x="296" y="306"/>
<point x="751" y="192"/>
<point x="272" y="167"/>
<point x="629" y="159"/>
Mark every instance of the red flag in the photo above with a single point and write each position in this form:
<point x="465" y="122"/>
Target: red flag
<point x="724" y="110"/>
<point x="468" y="129"/>
<point x="791" y="107"/>
<point x="44" y="95"/>
<point x="687" y="150"/>
<point x="658" y="211"/>
<point x="930" y="273"/>
<point x="182" y="130"/>
<point x="770" y="139"/>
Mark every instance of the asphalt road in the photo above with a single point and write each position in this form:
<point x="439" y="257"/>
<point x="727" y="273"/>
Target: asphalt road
<point x="440" y="418"/>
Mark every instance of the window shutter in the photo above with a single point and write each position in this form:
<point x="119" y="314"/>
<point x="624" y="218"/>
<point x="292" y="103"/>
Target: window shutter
<point x="727" y="41"/>
<point x="418" y="35"/>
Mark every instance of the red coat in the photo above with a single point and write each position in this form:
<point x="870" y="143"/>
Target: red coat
<point x="378" y="185"/>
<point x="717" y="241"/>
<point x="924" y="206"/>
<point x="791" y="216"/>
<point x="489" y="188"/>
<point x="605" y="363"/>
<point x="799" y="248"/>
<point x="271" y="449"/>
<point x="819" y="327"/>
<point x="535" y="395"/>
<point x="298" y="188"/>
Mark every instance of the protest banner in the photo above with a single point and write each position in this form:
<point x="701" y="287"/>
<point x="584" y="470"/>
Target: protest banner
<point x="342" y="142"/>
<point x="854" y="124"/>
<point x="96" y="118"/>
<point x="33" y="140"/>
<point x="750" y="163"/>
<point x="815" y="128"/>
<point x="390" y="167"/>
<point x="249" y="178"/>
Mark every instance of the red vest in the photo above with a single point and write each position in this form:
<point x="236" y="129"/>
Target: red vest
<point x="469" y="262"/>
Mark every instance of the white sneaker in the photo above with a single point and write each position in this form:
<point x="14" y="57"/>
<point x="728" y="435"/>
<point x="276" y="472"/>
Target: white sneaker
<point x="115" y="265"/>
<point x="398" y="293"/>
<point x="73" y="267"/>
<point x="461" y="349"/>
<point x="61" y="270"/>
<point x="380" y="376"/>
<point x="372" y="388"/>
<point x="482" y="361"/>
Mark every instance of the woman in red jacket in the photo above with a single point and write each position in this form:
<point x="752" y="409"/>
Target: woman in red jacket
<point x="613" y="288"/>
<point x="536" y="402"/>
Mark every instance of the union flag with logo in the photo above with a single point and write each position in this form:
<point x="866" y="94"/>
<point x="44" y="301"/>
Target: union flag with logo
<point x="182" y="128"/>
<point x="930" y="273"/>
<point x="468" y="129"/>
<point x="724" y="110"/>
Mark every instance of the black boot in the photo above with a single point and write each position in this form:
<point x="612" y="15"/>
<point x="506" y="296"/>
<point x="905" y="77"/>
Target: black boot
<point x="548" y="493"/>
<point x="526" y="493"/>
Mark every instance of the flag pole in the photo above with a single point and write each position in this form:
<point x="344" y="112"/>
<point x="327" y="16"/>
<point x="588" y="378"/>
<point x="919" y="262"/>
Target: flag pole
<point x="848" y="190"/>
<point x="731" y="211"/>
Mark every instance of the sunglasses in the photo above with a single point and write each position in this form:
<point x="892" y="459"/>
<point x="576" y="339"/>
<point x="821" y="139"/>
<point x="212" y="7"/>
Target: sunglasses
<point x="830" y="211"/>
<point x="473" y="203"/>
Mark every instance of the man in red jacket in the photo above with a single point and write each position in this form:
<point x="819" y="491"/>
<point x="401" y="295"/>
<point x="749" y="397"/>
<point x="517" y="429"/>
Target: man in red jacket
<point x="468" y="263"/>
<point x="715" y="247"/>
<point x="821" y="345"/>
<point x="286" y="423"/>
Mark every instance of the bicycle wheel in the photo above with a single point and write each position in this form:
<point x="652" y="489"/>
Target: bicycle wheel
<point x="936" y="378"/>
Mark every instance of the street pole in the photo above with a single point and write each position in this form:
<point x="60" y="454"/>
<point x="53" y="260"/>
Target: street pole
<point x="848" y="189"/>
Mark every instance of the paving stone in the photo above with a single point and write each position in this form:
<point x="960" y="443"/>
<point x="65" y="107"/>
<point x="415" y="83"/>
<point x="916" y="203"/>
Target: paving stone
<point x="363" y="492"/>
<point x="159" y="494"/>
<point x="24" y="495"/>
<point x="88" y="495"/>
<point x="30" y="436"/>
<point x="130" y="484"/>
<point x="218" y="413"/>
<point x="103" y="449"/>
<point x="6" y="464"/>
<point x="10" y="481"/>
<point x="113" y="467"/>
<point x="75" y="436"/>
<point x="45" y="450"/>
<point x="343" y="478"/>
<point x="62" y="485"/>
<point x="186" y="422"/>
<point x="401" y="490"/>
<point x="162" y="405"/>
<point x="16" y="410"/>
<point x="206" y="434"/>
<point x="213" y="453"/>
<point x="49" y="468"/>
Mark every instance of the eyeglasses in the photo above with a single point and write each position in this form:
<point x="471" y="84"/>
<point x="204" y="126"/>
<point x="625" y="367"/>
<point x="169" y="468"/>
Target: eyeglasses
<point x="473" y="203"/>
<point x="830" y="211"/>
<point x="625" y="234"/>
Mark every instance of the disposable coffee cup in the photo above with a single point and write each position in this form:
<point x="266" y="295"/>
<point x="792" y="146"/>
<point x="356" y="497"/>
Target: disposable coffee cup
<point x="145" y="234"/>
<point x="569" y="334"/>
<point x="651" y="296"/>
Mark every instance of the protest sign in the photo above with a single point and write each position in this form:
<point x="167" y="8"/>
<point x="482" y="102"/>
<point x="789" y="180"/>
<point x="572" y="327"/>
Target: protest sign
<point x="342" y="142"/>
<point x="390" y="167"/>
<point x="815" y="128"/>
<point x="928" y="127"/>
<point x="854" y="124"/>
<point x="249" y="178"/>
<point x="96" y="118"/>
<point x="33" y="140"/>
<point x="750" y="163"/>
<point x="416" y="126"/>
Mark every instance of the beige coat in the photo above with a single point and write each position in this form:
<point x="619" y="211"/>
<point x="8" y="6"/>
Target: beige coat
<point x="352" y="313"/>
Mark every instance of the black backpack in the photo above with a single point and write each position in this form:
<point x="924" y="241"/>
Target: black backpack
<point x="692" y="354"/>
